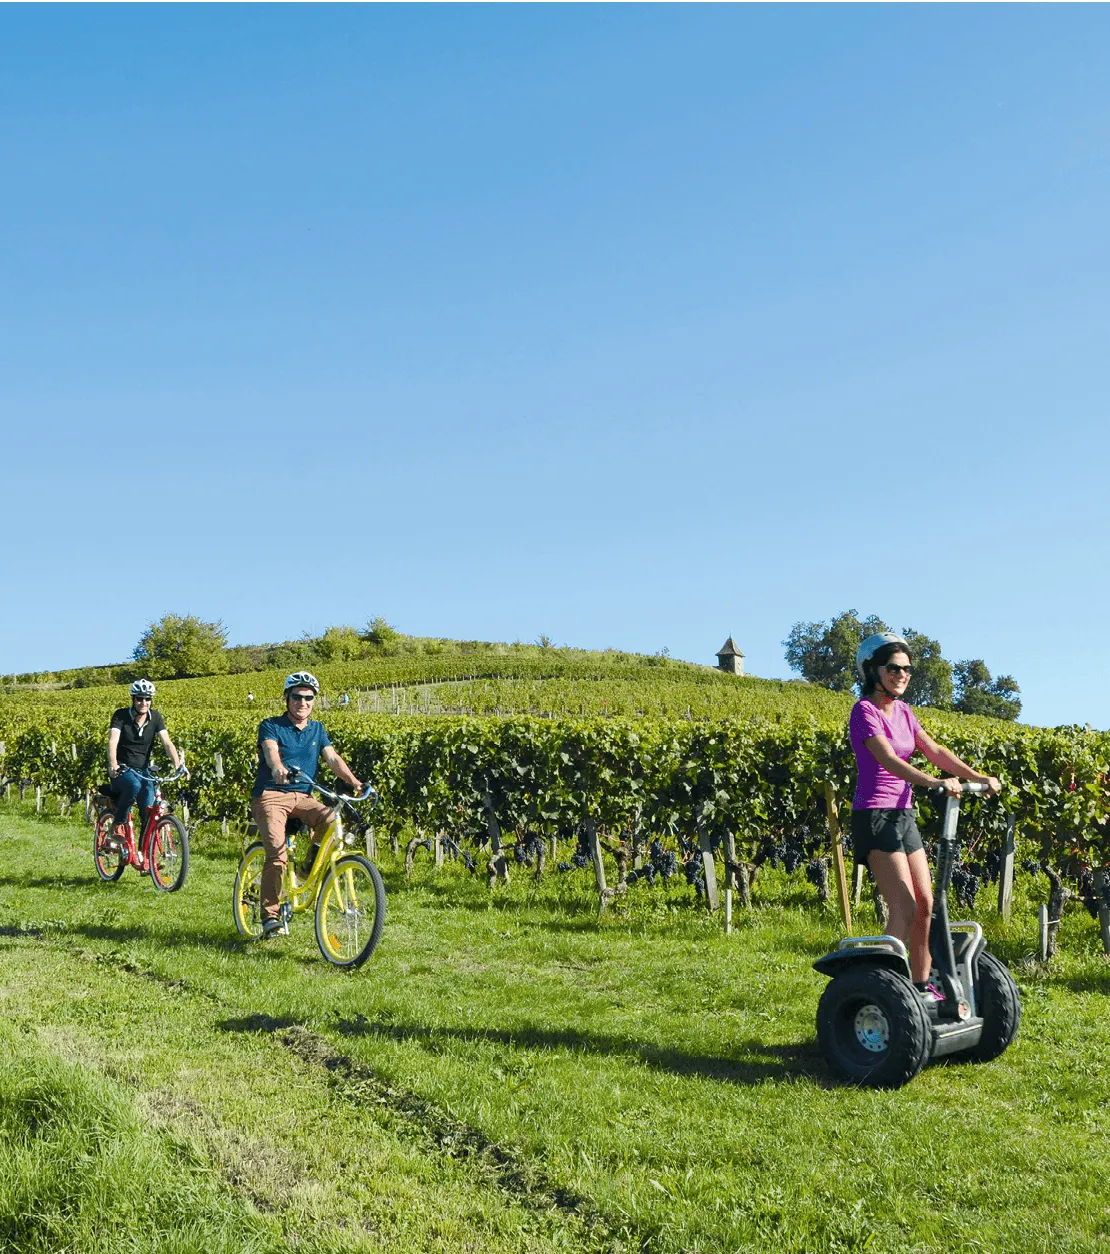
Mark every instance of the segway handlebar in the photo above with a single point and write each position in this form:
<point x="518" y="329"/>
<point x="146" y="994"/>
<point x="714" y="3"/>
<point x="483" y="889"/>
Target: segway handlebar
<point x="965" y="786"/>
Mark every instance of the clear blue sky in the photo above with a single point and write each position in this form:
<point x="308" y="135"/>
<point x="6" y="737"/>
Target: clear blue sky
<point x="634" y="326"/>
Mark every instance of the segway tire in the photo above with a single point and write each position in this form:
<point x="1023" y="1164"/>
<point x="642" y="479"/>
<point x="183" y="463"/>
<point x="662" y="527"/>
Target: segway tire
<point x="873" y="1029"/>
<point x="999" y="1004"/>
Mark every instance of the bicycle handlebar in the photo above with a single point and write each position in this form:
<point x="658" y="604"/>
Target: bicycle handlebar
<point x="162" y="779"/>
<point x="371" y="793"/>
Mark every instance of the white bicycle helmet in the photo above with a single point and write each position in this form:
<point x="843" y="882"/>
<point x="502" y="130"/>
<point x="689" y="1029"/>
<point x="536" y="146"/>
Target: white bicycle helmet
<point x="302" y="679"/>
<point x="872" y="645"/>
<point x="142" y="688"/>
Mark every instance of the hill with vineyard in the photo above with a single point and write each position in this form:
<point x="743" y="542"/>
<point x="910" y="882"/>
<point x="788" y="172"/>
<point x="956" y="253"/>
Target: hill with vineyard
<point x="541" y="739"/>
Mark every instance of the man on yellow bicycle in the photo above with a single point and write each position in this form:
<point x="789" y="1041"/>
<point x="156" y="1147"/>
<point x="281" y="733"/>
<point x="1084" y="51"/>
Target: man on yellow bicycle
<point x="292" y="740"/>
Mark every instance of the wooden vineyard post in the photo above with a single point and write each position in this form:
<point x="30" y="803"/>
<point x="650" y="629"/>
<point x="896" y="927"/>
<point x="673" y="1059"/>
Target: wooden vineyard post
<point x="38" y="798"/>
<point x="858" y="869"/>
<point x="1042" y="933"/>
<point x="88" y="806"/>
<point x="712" y="897"/>
<point x="728" y="848"/>
<point x="371" y="844"/>
<point x="219" y="761"/>
<point x="439" y="848"/>
<point x="838" y="856"/>
<point x="1101" y="879"/>
<point x="1006" y="873"/>
<point x="595" y="854"/>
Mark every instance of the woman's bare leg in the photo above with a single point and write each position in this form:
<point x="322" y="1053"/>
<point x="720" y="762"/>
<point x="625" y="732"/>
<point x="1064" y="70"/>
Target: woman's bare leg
<point x="920" y="959"/>
<point x="900" y="881"/>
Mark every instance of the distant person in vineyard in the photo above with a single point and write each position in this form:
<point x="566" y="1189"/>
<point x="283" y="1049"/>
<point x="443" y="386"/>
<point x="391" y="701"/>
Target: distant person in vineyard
<point x="290" y="740"/>
<point x="130" y="744"/>
<point x="885" y="733"/>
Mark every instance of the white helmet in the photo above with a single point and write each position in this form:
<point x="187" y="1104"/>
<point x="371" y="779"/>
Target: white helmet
<point x="142" y="688"/>
<point x="300" y="679"/>
<point x="872" y="645"/>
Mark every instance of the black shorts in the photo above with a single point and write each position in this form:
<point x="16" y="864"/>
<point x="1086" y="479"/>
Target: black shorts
<point x="888" y="831"/>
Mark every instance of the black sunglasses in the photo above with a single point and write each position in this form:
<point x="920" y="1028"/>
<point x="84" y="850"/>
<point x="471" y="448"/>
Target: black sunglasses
<point x="302" y="696"/>
<point x="892" y="668"/>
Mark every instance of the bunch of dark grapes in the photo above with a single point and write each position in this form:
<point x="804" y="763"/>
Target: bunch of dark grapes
<point x="528" y="848"/>
<point x="661" y="862"/>
<point x="695" y="874"/>
<point x="1093" y="897"/>
<point x="965" y="884"/>
<point x="581" y="858"/>
<point x="817" y="872"/>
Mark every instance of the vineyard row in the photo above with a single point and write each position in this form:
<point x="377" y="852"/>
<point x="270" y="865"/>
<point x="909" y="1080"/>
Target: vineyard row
<point x="747" y="779"/>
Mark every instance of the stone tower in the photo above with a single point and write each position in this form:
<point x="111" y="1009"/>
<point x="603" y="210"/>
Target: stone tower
<point x="730" y="659"/>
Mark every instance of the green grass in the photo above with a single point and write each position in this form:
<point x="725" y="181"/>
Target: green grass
<point x="507" y="1073"/>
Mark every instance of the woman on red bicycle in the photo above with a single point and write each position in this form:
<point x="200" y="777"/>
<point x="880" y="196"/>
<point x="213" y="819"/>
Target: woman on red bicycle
<point x="885" y="734"/>
<point x="130" y="744"/>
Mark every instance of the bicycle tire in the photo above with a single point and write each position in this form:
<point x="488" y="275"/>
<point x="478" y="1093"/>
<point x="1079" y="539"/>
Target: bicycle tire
<point x="346" y="932"/>
<point x="110" y="864"/>
<point x="169" y="854"/>
<point x="246" y="900"/>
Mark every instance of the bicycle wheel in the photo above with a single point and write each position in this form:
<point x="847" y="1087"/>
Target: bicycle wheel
<point x="169" y="854"/>
<point x="246" y="901"/>
<point x="350" y="911"/>
<point x="108" y="857"/>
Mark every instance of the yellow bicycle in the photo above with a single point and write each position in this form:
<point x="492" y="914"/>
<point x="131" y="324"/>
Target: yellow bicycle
<point x="344" y="888"/>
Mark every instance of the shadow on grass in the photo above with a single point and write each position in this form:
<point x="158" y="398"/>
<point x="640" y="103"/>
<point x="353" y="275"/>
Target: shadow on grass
<point x="761" y="1062"/>
<point x="256" y="1023"/>
<point x="1087" y="982"/>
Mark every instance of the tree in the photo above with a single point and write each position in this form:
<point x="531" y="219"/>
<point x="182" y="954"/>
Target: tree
<point x="379" y="632"/>
<point x="825" y="654"/>
<point x="340" y="644"/>
<point x="177" y="646"/>
<point x="978" y="693"/>
<point x="931" y="684"/>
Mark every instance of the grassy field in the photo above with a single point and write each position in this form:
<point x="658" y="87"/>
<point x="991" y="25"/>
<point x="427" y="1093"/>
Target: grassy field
<point x="506" y="1074"/>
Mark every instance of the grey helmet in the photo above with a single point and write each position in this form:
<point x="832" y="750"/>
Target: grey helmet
<point x="872" y="645"/>
<point x="302" y="679"/>
<point x="142" y="688"/>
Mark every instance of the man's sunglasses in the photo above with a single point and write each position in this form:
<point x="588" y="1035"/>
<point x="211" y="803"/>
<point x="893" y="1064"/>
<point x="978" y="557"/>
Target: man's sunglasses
<point x="302" y="696"/>
<point x="142" y="698"/>
<point x="892" y="668"/>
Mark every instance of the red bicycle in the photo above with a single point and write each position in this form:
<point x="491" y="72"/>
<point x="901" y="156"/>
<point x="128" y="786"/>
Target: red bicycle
<point x="163" y="850"/>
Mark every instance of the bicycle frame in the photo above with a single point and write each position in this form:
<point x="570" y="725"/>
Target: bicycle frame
<point x="138" y="854"/>
<point x="300" y="895"/>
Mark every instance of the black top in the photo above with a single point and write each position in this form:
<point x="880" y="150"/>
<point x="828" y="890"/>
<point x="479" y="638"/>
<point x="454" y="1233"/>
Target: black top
<point x="136" y="743"/>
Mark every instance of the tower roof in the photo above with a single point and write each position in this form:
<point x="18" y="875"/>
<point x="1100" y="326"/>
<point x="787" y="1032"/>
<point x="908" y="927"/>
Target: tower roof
<point x="729" y="649"/>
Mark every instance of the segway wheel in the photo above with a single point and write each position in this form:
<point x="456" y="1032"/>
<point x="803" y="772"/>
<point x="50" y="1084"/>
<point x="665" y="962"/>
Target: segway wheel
<point x="873" y="1029"/>
<point x="1000" y="1006"/>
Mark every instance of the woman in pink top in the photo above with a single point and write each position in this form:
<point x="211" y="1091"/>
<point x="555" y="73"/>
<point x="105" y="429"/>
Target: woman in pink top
<point x="885" y="734"/>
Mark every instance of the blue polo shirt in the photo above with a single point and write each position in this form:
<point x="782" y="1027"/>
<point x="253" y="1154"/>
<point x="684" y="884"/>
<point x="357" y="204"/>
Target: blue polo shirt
<point x="300" y="748"/>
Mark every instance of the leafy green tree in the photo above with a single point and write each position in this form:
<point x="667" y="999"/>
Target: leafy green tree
<point x="978" y="693"/>
<point x="340" y="644"/>
<point x="177" y="646"/>
<point x="380" y="633"/>
<point x="825" y="653"/>
<point x="932" y="673"/>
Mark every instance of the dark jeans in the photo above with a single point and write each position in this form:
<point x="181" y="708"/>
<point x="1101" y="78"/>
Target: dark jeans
<point x="129" y="788"/>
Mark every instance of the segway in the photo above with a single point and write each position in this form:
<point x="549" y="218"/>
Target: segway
<point x="876" y="1029"/>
